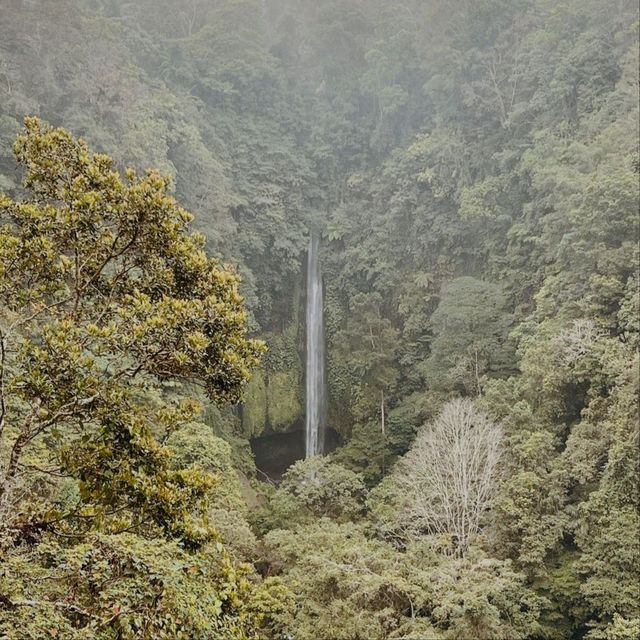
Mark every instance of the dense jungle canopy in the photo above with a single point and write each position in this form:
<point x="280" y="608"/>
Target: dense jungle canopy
<point x="471" y="169"/>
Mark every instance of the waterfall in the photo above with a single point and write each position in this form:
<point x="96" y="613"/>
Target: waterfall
<point x="315" y="354"/>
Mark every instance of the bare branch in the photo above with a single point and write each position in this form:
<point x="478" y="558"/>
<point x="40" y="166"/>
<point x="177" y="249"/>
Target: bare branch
<point x="448" y="477"/>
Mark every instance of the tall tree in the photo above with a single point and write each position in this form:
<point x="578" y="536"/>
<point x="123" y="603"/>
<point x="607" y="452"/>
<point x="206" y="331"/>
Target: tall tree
<point x="450" y="474"/>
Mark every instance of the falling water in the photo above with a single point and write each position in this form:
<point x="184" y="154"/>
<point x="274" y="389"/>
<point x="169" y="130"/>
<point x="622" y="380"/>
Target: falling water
<point x="315" y="354"/>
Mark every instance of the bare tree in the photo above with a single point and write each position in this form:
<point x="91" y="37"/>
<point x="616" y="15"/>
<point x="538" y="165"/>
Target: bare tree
<point x="577" y="340"/>
<point x="449" y="476"/>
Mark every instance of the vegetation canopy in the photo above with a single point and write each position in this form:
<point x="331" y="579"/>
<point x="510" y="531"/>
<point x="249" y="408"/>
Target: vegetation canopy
<point x="105" y="295"/>
<point x="458" y="184"/>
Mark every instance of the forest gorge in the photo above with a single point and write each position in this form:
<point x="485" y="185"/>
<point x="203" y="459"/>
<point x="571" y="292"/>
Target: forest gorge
<point x="462" y="177"/>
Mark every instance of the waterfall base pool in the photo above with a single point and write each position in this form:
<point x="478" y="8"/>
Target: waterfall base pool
<point x="274" y="453"/>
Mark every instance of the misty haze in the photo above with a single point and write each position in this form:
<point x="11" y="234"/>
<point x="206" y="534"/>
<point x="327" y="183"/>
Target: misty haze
<point x="319" y="320"/>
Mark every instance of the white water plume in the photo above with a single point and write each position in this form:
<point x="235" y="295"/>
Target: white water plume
<point x="315" y="378"/>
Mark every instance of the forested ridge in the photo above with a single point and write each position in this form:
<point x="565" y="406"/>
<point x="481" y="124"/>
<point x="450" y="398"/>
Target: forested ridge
<point x="471" y="169"/>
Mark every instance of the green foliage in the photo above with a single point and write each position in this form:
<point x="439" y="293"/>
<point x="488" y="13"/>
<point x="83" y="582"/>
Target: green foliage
<point x="194" y="445"/>
<point x="473" y="170"/>
<point x="623" y="629"/>
<point x="315" y="488"/>
<point x="105" y="296"/>
<point x="471" y="326"/>
<point x="113" y="293"/>
<point x="377" y="592"/>
<point x="123" y="586"/>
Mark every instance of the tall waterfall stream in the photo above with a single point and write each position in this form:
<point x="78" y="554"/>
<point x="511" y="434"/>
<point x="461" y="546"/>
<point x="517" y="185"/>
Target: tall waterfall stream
<point x="315" y="378"/>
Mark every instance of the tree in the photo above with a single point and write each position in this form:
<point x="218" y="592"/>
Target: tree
<point x="366" y="348"/>
<point x="315" y="488"/>
<point x="353" y="587"/>
<point x="449" y="476"/>
<point x="123" y="586"/>
<point x="471" y="328"/>
<point x="105" y="294"/>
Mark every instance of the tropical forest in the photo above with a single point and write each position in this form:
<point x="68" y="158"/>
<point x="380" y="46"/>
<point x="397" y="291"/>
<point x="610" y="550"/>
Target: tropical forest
<point x="319" y="320"/>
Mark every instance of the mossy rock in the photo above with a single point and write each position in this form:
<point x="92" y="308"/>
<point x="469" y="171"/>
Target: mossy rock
<point x="273" y="403"/>
<point x="254" y="408"/>
<point x="284" y="404"/>
<point x="274" y="397"/>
